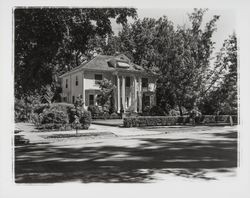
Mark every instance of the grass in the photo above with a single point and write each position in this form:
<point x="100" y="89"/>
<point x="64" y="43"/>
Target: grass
<point x="80" y="135"/>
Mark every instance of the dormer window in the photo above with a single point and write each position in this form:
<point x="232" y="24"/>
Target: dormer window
<point x="122" y="64"/>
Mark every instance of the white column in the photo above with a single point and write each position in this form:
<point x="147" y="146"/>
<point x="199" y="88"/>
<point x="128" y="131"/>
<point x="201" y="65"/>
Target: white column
<point x="118" y="95"/>
<point x="140" y="94"/>
<point x="70" y="86"/>
<point x="83" y="90"/>
<point x="123" y="93"/>
<point x="115" y="91"/>
<point x="135" y="95"/>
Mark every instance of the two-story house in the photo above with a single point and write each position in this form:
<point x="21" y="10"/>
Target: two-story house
<point x="135" y="88"/>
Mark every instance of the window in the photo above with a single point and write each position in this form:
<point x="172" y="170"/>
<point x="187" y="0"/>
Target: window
<point x="73" y="99"/>
<point x="127" y="81"/>
<point x="127" y="102"/>
<point x="144" y="82"/>
<point x="98" y="78"/>
<point x="122" y="64"/>
<point x="66" y="85"/>
<point x="91" y="99"/>
<point x="76" y="80"/>
<point x="98" y="101"/>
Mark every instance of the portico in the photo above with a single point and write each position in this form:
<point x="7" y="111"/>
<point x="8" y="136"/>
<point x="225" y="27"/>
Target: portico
<point x="128" y="97"/>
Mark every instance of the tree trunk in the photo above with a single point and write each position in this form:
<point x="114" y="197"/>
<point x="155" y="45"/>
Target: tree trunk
<point x="180" y="109"/>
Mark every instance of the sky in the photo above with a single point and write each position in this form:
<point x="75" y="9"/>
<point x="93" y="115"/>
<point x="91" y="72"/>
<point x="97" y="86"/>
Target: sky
<point x="225" y="26"/>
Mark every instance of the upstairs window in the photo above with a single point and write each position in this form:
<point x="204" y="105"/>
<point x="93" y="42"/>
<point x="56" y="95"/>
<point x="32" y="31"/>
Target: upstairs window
<point x="127" y="81"/>
<point x="144" y="82"/>
<point x="76" y="80"/>
<point x="98" y="78"/>
<point x="66" y="84"/>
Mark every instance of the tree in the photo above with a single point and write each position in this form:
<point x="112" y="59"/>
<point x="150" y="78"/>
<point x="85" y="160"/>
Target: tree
<point x="106" y="97"/>
<point x="50" y="41"/>
<point x="181" y="56"/>
<point x="223" y="97"/>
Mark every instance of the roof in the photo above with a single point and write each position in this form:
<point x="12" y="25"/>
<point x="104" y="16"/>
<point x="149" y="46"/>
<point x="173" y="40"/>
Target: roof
<point x="109" y="63"/>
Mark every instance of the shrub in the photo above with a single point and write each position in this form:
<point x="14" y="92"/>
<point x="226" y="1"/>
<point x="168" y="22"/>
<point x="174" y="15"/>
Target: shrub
<point x="150" y="121"/>
<point x="173" y="120"/>
<point x="156" y="111"/>
<point x="83" y="115"/>
<point x="65" y="107"/>
<point x="54" y="116"/>
<point x="174" y="112"/>
<point x="114" y="116"/>
<point x="40" y="108"/>
<point x="95" y="110"/>
<point x="35" y="118"/>
<point x="22" y="110"/>
<point x="85" y="119"/>
<point x="146" y="111"/>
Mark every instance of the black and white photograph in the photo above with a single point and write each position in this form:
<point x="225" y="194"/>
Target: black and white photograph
<point x="105" y="95"/>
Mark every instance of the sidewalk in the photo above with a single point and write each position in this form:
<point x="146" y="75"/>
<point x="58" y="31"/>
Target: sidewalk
<point x="35" y="136"/>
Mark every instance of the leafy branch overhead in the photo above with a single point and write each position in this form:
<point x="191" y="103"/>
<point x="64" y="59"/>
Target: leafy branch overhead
<point x="51" y="41"/>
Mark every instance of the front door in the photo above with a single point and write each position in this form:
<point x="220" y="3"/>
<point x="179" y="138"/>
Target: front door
<point x="145" y="101"/>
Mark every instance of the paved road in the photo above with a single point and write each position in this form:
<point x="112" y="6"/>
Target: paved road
<point x="155" y="154"/>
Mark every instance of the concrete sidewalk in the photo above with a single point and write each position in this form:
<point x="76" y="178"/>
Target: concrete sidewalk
<point x="109" y="122"/>
<point x="35" y="136"/>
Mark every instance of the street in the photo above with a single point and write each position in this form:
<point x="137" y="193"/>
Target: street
<point x="137" y="155"/>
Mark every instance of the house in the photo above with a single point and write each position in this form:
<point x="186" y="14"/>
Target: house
<point x="135" y="88"/>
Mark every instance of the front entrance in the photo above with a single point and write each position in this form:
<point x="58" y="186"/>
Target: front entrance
<point x="145" y="100"/>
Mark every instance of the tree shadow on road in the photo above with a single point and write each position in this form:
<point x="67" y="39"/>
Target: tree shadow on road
<point x="189" y="158"/>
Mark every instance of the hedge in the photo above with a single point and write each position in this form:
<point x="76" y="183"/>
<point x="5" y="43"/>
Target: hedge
<point x="61" y="116"/>
<point x="141" y="121"/>
<point x="107" y="116"/>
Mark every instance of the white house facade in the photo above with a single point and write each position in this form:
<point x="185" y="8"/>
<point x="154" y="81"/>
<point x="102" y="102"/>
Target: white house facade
<point x="135" y="88"/>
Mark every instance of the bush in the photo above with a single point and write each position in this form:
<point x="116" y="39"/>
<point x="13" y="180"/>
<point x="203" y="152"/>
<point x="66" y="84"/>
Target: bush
<point x="54" y="116"/>
<point x="95" y="110"/>
<point x="173" y="112"/>
<point x="65" y="107"/>
<point x="150" y="121"/>
<point x="40" y="108"/>
<point x="83" y="115"/>
<point x="156" y="111"/>
<point x="85" y="119"/>
<point x="173" y="120"/>
<point x="22" y="110"/>
<point x="107" y="116"/>
<point x="146" y="111"/>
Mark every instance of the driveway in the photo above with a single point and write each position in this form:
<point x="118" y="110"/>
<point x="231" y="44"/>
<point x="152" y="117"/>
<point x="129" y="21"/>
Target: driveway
<point x="137" y="155"/>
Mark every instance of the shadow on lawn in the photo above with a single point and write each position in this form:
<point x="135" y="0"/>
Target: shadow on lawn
<point x="44" y="163"/>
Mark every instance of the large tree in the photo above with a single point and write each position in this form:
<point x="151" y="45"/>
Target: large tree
<point x="222" y="98"/>
<point x="180" y="55"/>
<point x="50" y="41"/>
